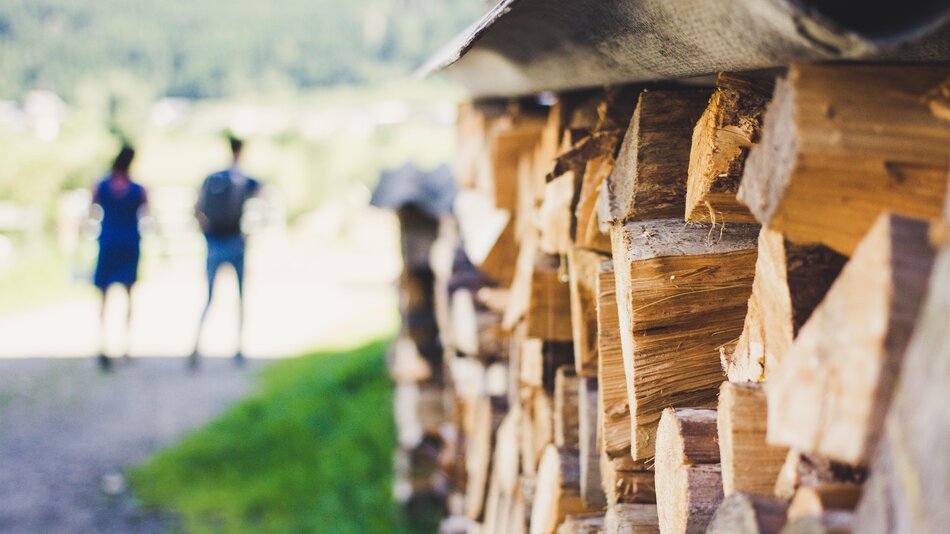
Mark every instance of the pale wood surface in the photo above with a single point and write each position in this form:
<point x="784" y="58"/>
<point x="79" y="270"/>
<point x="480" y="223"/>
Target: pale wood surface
<point x="749" y="464"/>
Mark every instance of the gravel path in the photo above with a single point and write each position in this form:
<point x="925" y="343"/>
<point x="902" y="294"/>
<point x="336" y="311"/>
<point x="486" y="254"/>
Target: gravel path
<point x="66" y="431"/>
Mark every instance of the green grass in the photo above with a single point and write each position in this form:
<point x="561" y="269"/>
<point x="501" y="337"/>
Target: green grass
<point x="310" y="452"/>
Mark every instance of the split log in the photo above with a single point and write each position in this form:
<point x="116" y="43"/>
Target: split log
<point x="489" y="415"/>
<point x="549" y="306"/>
<point x="582" y="524"/>
<point x="476" y="330"/>
<point x="587" y="406"/>
<point x="838" y="522"/>
<point x="504" y="478"/>
<point x="910" y="476"/>
<point x="582" y="273"/>
<point x="680" y="296"/>
<point x="566" y="425"/>
<point x="519" y="298"/>
<point x="843" y="143"/>
<point x="625" y="481"/>
<point x="542" y="407"/>
<point x="588" y="232"/>
<point x="632" y="519"/>
<point x="721" y="140"/>
<point x="487" y="235"/>
<point x="649" y="179"/>
<point x="809" y="470"/>
<point x="505" y="151"/>
<point x="540" y="361"/>
<point x="688" y="477"/>
<point x="749" y="464"/>
<point x="790" y="281"/>
<point x="747" y="513"/>
<point x="614" y="402"/>
<point x="557" y="493"/>
<point x="555" y="214"/>
<point x="832" y="390"/>
<point x="813" y="501"/>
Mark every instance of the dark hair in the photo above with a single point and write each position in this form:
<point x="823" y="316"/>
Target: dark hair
<point x="124" y="159"/>
<point x="236" y="144"/>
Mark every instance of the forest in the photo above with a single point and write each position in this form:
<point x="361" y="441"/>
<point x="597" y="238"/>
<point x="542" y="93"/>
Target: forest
<point x="207" y="48"/>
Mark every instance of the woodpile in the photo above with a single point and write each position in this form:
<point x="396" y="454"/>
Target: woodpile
<point x="700" y="309"/>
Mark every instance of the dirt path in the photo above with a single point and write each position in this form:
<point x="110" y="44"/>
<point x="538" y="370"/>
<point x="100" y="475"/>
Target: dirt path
<point x="66" y="430"/>
<point x="64" y="427"/>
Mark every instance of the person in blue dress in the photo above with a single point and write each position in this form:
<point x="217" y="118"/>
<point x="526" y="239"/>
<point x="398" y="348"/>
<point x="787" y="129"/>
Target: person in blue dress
<point x="122" y="203"/>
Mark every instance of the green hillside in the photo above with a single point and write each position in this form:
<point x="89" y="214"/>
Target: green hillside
<point x="209" y="48"/>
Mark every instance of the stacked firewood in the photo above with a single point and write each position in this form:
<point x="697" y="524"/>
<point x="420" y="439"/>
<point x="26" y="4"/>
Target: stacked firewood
<point x="684" y="309"/>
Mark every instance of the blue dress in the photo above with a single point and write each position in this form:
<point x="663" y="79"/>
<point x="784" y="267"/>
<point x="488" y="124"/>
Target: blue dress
<point x="119" y="238"/>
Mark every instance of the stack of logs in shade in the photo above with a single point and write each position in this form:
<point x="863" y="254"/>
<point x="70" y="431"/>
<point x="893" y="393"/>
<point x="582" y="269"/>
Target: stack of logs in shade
<point x="703" y="309"/>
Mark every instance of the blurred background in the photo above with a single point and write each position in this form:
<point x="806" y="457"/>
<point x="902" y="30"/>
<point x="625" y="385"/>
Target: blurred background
<point x="323" y="94"/>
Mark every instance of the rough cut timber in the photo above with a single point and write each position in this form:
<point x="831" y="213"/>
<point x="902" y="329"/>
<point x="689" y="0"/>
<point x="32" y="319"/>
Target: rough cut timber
<point x="587" y="407"/>
<point x="587" y="232"/>
<point x="624" y="481"/>
<point x="790" y="281"/>
<point x="649" y="179"/>
<point x="549" y="305"/>
<point x="487" y="235"/>
<point x="688" y="478"/>
<point x="837" y="522"/>
<point x="566" y="429"/>
<point x="614" y="402"/>
<point x="504" y="475"/>
<point x="506" y="149"/>
<point x="519" y="298"/>
<point x="476" y="331"/>
<point x="555" y="214"/>
<point x="721" y="140"/>
<point x="749" y="464"/>
<point x="582" y="271"/>
<point x="811" y="501"/>
<point x="681" y="294"/>
<point x="557" y="493"/>
<point x="540" y="361"/>
<point x="910" y="476"/>
<point x="582" y="524"/>
<point x="809" y="470"/>
<point x="832" y="390"/>
<point x="489" y="414"/>
<point x="842" y="143"/>
<point x="748" y="513"/>
<point x="631" y="519"/>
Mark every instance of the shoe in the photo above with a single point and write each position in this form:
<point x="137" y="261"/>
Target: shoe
<point x="105" y="364"/>
<point x="239" y="359"/>
<point x="193" y="360"/>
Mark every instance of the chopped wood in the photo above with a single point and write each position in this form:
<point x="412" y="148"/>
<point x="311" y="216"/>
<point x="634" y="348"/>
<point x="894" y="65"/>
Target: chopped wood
<point x="587" y="406"/>
<point x="486" y="235"/>
<point x="810" y="501"/>
<point x="582" y="271"/>
<point x="730" y="125"/>
<point x="832" y="390"/>
<point x="749" y="464"/>
<point x="837" y="522"/>
<point x="540" y="361"/>
<point x="809" y="470"/>
<point x="649" y="180"/>
<point x="614" y="401"/>
<point x="566" y="426"/>
<point x="588" y="232"/>
<point x="749" y="513"/>
<point x="681" y="294"/>
<point x="542" y="407"/>
<point x="489" y="414"/>
<point x="555" y="214"/>
<point x="688" y="476"/>
<point x="843" y="143"/>
<point x="790" y="281"/>
<point x="549" y="305"/>
<point x="582" y="524"/>
<point x="557" y="493"/>
<point x="519" y="299"/>
<point x="505" y="150"/>
<point x="907" y="490"/>
<point x="626" y="482"/>
<point x="476" y="331"/>
<point x="631" y="519"/>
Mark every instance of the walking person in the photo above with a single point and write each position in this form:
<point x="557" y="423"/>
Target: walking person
<point x="218" y="210"/>
<point x="123" y="203"/>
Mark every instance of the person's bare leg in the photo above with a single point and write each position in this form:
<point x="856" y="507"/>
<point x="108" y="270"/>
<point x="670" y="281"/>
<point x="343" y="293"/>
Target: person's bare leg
<point x="239" y="355"/>
<point x="195" y="356"/>
<point x="128" y="321"/>
<point x="102" y="359"/>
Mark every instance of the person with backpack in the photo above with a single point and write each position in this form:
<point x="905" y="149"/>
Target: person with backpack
<point x="121" y="202"/>
<point x="218" y="210"/>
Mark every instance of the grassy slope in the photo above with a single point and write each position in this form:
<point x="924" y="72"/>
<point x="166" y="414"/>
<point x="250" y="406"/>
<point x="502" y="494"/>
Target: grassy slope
<point x="311" y="452"/>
